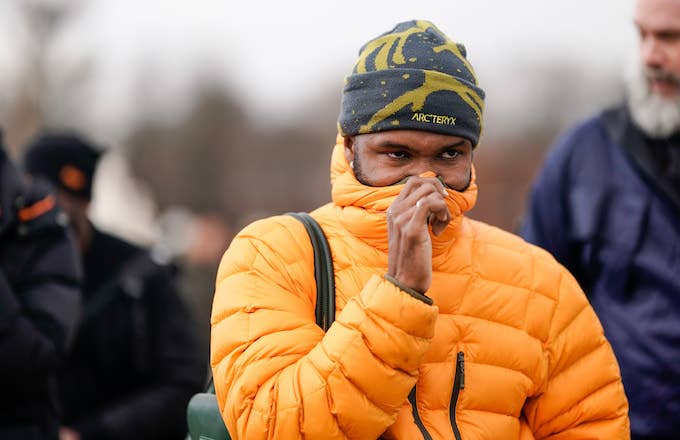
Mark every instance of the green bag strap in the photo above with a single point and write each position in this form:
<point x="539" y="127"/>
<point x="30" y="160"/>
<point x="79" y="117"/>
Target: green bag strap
<point x="323" y="270"/>
<point x="203" y="416"/>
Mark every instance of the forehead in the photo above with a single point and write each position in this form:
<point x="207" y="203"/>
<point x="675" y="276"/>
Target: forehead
<point x="413" y="139"/>
<point x="658" y="15"/>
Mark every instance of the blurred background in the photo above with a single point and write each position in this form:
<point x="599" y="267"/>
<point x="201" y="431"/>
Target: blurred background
<point x="215" y="113"/>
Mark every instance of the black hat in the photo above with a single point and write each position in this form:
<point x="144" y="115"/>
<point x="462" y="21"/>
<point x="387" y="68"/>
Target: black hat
<point x="65" y="159"/>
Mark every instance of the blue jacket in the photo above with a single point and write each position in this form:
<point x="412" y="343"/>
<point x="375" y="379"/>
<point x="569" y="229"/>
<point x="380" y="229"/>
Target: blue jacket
<point x="596" y="210"/>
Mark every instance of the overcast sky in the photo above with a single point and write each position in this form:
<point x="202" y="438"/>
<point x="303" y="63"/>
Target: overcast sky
<point x="277" y="55"/>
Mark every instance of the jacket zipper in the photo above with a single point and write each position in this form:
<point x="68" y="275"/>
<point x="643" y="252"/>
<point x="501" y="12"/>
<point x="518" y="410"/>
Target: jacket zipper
<point x="458" y="384"/>
<point x="416" y="416"/>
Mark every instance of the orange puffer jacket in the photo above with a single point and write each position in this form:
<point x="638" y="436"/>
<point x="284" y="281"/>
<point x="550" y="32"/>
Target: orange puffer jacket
<point x="511" y="349"/>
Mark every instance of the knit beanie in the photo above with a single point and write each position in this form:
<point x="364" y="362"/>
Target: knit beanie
<point x="412" y="77"/>
<point x="65" y="160"/>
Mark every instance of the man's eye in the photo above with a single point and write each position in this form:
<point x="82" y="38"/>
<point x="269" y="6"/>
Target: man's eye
<point x="669" y="36"/>
<point x="450" y="154"/>
<point x="397" y="155"/>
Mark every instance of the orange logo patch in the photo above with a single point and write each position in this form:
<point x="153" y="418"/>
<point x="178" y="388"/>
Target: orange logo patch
<point x="72" y="178"/>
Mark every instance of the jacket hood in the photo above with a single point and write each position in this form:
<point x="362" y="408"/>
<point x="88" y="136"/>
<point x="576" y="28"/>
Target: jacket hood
<point x="364" y="208"/>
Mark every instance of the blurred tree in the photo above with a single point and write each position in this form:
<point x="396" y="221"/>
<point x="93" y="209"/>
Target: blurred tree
<point x="31" y="107"/>
<point x="184" y="161"/>
<point x="223" y="166"/>
<point x="216" y="159"/>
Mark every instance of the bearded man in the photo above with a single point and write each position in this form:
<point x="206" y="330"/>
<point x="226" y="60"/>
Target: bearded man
<point x="607" y="206"/>
<point x="446" y="328"/>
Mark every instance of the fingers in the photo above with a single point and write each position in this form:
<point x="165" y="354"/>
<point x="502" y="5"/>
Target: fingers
<point x="415" y="183"/>
<point x="419" y="189"/>
<point x="422" y="201"/>
<point x="432" y="209"/>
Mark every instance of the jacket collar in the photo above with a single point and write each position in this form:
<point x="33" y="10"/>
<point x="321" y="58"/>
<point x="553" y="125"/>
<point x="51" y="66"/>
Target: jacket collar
<point x="363" y="208"/>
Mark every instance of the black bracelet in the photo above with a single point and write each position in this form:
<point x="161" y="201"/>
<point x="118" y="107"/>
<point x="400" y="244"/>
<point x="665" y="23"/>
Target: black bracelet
<point x="410" y="291"/>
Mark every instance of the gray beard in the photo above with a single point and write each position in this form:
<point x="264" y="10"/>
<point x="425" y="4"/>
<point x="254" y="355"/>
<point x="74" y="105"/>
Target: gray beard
<point x="657" y="117"/>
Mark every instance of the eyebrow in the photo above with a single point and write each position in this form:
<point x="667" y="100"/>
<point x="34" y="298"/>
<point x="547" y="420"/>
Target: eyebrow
<point x="671" y="29"/>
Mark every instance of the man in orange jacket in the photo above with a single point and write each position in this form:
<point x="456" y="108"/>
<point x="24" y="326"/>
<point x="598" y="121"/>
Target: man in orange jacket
<point x="446" y="328"/>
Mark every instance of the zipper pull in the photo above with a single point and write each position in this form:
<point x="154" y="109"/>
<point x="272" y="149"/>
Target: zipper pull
<point x="461" y="368"/>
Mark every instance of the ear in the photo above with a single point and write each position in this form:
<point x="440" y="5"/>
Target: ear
<point x="349" y="148"/>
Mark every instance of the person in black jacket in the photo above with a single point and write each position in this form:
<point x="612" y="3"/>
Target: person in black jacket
<point x="39" y="304"/>
<point x="136" y="361"/>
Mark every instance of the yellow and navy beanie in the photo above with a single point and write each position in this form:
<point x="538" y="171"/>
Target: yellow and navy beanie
<point x="412" y="77"/>
<point x="65" y="159"/>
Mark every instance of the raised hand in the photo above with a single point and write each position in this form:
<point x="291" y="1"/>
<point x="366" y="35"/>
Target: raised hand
<point x="420" y="205"/>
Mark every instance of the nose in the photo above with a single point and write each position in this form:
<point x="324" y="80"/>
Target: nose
<point x="651" y="52"/>
<point x="423" y="166"/>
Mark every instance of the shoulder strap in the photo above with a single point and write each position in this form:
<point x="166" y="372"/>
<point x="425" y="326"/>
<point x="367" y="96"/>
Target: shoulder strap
<point x="323" y="270"/>
<point x="202" y="411"/>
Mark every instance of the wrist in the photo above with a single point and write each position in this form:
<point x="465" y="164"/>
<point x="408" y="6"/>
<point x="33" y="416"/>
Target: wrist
<point x="414" y="293"/>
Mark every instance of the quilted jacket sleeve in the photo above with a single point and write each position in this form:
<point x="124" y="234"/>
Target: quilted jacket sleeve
<point x="583" y="397"/>
<point x="277" y="375"/>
